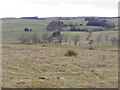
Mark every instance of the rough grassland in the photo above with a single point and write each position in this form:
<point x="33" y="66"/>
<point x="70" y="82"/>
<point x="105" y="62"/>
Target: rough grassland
<point x="43" y="66"/>
<point x="14" y="29"/>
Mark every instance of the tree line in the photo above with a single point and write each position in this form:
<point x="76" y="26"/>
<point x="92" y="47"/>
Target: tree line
<point x="57" y="38"/>
<point x="59" y="25"/>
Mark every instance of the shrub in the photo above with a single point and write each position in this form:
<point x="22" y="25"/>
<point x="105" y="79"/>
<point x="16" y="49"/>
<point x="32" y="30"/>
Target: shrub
<point x="71" y="53"/>
<point x="44" y="45"/>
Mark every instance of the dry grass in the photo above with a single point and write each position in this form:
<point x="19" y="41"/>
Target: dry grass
<point x="35" y="66"/>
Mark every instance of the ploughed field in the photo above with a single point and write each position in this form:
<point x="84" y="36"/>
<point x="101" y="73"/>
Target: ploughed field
<point x="46" y="66"/>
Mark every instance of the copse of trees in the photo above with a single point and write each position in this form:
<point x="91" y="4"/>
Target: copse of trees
<point x="27" y="29"/>
<point x="55" y="26"/>
<point x="101" y="24"/>
<point x="96" y="23"/>
<point x="46" y="38"/>
<point x="90" y="19"/>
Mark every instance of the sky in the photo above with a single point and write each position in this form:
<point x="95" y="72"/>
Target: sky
<point x="58" y="8"/>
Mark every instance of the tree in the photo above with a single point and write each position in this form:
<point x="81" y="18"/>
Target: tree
<point x="78" y="29"/>
<point x="60" y="38"/>
<point x="26" y="29"/>
<point x="90" y="19"/>
<point x="45" y="38"/>
<point x="107" y="25"/>
<point x="114" y="41"/>
<point x="81" y="24"/>
<point x="56" y="34"/>
<point x="89" y="39"/>
<point x="73" y="28"/>
<point x="89" y="35"/>
<point x="49" y="38"/>
<point x="110" y="25"/>
<point x="76" y="39"/>
<point x="35" y="38"/>
<point x="65" y="38"/>
<point x="71" y="24"/>
<point x="98" y="39"/>
<point x="30" y="29"/>
<point x="24" y="39"/>
<point x="55" y="26"/>
<point x="106" y="39"/>
<point x="76" y="24"/>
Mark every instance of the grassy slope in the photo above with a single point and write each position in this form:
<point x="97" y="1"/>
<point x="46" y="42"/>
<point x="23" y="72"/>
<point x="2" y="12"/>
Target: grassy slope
<point x="26" y="65"/>
<point x="14" y="28"/>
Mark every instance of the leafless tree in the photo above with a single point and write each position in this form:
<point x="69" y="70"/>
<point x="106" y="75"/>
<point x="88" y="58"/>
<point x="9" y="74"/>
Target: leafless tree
<point x="24" y="39"/>
<point x="34" y="38"/>
<point x="106" y="39"/>
<point x="114" y="41"/>
<point x="76" y="39"/>
<point x="99" y="39"/>
<point x="89" y="39"/>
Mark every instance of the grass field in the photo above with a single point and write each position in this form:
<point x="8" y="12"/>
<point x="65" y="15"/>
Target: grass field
<point x="46" y="66"/>
<point x="14" y="28"/>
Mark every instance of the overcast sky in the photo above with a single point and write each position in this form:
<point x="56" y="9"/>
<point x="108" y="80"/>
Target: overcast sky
<point x="53" y="8"/>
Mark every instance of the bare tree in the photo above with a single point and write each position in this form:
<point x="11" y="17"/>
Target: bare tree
<point x="45" y="38"/>
<point x="24" y="39"/>
<point x="89" y="39"/>
<point x="35" y="38"/>
<point x="49" y="38"/>
<point x="114" y="41"/>
<point x="106" y="39"/>
<point x="76" y="39"/>
<point x="65" y="38"/>
<point x="98" y="39"/>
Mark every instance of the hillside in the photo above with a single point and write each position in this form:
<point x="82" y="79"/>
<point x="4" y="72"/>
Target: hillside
<point x="35" y="57"/>
<point x="14" y="28"/>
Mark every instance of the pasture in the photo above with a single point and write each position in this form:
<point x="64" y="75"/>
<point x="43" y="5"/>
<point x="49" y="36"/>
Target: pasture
<point x="47" y="66"/>
<point x="14" y="29"/>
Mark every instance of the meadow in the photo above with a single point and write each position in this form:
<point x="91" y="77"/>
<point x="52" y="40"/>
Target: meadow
<point x="47" y="66"/>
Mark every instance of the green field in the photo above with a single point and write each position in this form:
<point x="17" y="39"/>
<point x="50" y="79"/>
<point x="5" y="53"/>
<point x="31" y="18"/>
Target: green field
<point x="14" y="28"/>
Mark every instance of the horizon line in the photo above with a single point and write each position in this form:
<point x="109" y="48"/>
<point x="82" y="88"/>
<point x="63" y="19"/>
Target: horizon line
<point x="59" y="16"/>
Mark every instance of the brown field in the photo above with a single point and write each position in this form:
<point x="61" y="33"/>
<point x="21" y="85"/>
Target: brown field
<point x="46" y="66"/>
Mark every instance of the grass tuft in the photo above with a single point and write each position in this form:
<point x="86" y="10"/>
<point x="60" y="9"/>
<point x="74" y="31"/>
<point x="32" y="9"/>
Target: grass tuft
<point x="71" y="53"/>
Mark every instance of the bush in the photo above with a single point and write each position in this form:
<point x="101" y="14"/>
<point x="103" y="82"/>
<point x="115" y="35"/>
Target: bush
<point x="24" y="39"/>
<point x="71" y="53"/>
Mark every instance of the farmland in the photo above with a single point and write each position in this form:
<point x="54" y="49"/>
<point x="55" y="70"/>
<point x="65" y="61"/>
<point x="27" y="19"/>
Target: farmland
<point x="45" y="65"/>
